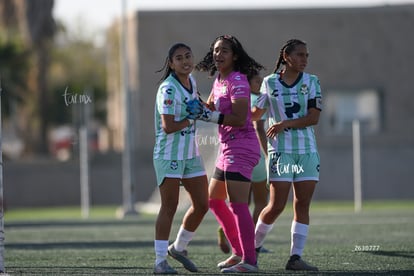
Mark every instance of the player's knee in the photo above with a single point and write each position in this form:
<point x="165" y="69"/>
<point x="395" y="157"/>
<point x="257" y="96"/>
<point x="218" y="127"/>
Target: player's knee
<point x="169" y="207"/>
<point x="302" y="204"/>
<point x="201" y="207"/>
<point x="302" y="207"/>
<point x="275" y="210"/>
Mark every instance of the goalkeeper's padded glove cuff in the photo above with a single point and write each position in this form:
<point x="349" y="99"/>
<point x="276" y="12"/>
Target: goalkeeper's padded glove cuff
<point x="216" y="117"/>
<point x="191" y="122"/>
<point x="221" y="119"/>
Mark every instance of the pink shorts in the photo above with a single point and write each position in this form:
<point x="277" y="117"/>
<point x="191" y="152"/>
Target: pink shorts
<point x="239" y="155"/>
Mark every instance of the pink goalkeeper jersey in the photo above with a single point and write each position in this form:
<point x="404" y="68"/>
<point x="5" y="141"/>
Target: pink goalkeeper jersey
<point x="235" y="86"/>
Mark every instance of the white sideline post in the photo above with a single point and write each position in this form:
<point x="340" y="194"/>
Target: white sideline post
<point x="84" y="170"/>
<point x="1" y="196"/>
<point x="128" y="186"/>
<point x="84" y="160"/>
<point x="356" y="145"/>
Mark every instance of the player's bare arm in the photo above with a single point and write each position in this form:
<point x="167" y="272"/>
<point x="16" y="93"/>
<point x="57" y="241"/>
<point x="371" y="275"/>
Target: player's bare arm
<point x="257" y="113"/>
<point x="239" y="112"/>
<point x="311" y="118"/>
<point x="171" y="126"/>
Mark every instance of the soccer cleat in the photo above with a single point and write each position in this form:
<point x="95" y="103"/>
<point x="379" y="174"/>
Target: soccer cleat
<point x="222" y="241"/>
<point x="261" y="249"/>
<point x="241" y="267"/>
<point x="164" y="268"/>
<point x="229" y="262"/>
<point x="296" y="263"/>
<point x="182" y="258"/>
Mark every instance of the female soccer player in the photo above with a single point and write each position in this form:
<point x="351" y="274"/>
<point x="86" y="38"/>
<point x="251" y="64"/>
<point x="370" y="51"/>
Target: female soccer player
<point x="239" y="147"/>
<point x="293" y="101"/>
<point x="177" y="160"/>
<point x="259" y="176"/>
<point x="259" y="191"/>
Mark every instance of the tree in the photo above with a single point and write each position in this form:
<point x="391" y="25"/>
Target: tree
<point x="32" y="22"/>
<point x="47" y="60"/>
<point x="78" y="67"/>
<point x="14" y="67"/>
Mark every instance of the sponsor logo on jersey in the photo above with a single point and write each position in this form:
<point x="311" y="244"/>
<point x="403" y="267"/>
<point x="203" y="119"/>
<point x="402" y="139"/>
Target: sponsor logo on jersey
<point x="239" y="86"/>
<point x="168" y="90"/>
<point x="230" y="159"/>
<point x="304" y="89"/>
<point x="191" y="130"/>
<point x="239" y="89"/>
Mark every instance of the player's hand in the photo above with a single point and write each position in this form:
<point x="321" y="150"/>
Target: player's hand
<point x="198" y="111"/>
<point x="195" y="109"/>
<point x="273" y="130"/>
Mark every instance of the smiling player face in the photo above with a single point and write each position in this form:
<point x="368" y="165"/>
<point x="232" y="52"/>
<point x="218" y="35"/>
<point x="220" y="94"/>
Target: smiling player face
<point x="182" y="61"/>
<point x="223" y="57"/>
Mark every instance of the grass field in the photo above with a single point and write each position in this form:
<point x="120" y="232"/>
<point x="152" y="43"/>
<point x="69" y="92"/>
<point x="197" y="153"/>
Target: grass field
<point x="377" y="241"/>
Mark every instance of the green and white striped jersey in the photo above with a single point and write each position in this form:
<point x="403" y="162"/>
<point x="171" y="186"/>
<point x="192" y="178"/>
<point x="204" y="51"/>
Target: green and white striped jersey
<point x="171" y="100"/>
<point x="285" y="102"/>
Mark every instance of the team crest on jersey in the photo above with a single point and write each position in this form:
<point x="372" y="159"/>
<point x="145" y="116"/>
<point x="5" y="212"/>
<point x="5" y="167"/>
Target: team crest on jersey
<point x="275" y="93"/>
<point x="168" y="102"/>
<point x="224" y="90"/>
<point x="174" y="165"/>
<point x="304" y="89"/>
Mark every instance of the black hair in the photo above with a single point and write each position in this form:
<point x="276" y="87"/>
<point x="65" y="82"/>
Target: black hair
<point x="252" y="74"/>
<point x="244" y="63"/>
<point x="166" y="68"/>
<point x="288" y="48"/>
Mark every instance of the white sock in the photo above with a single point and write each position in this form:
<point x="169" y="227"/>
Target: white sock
<point x="299" y="234"/>
<point x="261" y="231"/>
<point x="183" y="238"/>
<point x="161" y="250"/>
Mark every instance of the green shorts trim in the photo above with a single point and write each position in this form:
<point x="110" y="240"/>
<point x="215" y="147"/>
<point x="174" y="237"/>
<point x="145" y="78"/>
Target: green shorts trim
<point x="259" y="172"/>
<point x="181" y="169"/>
<point x="293" y="167"/>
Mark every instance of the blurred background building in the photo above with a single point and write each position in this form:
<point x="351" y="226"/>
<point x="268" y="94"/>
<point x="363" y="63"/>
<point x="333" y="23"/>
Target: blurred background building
<point x="362" y="56"/>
